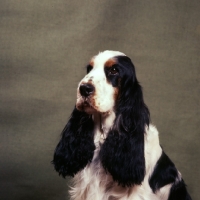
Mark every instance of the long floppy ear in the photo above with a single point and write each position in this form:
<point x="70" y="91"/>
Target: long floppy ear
<point x="122" y="153"/>
<point x="76" y="147"/>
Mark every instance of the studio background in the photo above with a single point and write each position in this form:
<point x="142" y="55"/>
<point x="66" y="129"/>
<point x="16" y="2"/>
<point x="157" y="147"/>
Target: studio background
<point x="44" y="48"/>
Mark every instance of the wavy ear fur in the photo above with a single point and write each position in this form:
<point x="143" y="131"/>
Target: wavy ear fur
<point x="76" y="146"/>
<point x="122" y="153"/>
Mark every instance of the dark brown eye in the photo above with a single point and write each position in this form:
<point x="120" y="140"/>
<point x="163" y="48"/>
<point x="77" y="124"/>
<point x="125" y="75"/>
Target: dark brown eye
<point x="89" y="68"/>
<point x="113" y="71"/>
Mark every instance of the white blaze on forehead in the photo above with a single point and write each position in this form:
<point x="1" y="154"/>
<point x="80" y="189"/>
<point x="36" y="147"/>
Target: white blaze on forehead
<point x="102" y="57"/>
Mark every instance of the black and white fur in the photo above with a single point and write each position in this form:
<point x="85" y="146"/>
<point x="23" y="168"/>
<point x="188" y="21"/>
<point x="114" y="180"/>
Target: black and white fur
<point x="109" y="145"/>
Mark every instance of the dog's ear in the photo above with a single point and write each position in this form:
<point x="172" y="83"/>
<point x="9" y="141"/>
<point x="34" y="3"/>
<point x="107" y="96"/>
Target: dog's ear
<point x="76" y="147"/>
<point x="122" y="153"/>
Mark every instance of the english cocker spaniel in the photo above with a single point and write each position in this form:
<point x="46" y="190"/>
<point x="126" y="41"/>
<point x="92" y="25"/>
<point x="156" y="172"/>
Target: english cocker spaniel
<point x="109" y="145"/>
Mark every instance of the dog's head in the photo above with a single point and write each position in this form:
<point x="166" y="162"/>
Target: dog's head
<point x="98" y="90"/>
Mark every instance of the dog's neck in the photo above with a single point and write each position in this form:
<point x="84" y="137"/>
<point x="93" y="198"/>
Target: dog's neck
<point x="103" y="122"/>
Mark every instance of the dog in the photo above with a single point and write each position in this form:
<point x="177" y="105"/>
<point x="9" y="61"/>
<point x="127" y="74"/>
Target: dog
<point x="109" y="146"/>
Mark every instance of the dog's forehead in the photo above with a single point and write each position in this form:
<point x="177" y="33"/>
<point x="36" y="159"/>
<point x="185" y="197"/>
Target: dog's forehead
<point x="103" y="57"/>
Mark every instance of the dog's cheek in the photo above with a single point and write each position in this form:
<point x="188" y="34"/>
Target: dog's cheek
<point x="109" y="97"/>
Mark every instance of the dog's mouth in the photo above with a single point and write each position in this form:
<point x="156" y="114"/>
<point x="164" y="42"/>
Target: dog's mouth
<point x="85" y="105"/>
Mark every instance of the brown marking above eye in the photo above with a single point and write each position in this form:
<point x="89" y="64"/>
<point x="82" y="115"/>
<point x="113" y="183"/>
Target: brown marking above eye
<point x="110" y="62"/>
<point x="91" y="63"/>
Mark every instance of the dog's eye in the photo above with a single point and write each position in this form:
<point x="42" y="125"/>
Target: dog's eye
<point x="89" y="68"/>
<point x="113" y="71"/>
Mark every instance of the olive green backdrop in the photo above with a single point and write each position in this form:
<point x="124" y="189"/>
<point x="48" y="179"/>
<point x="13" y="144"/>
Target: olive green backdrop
<point x="44" y="47"/>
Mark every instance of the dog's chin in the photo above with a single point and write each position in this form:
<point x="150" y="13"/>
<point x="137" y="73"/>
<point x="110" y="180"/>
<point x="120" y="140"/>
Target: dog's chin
<point x="86" y="107"/>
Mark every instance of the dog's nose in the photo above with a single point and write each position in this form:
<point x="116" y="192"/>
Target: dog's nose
<point x="86" y="89"/>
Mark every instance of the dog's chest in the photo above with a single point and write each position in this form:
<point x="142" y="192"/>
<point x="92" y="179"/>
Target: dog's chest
<point x="94" y="183"/>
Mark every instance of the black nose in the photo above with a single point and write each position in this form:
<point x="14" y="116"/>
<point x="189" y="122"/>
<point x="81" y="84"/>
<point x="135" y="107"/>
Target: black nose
<point x="86" y="89"/>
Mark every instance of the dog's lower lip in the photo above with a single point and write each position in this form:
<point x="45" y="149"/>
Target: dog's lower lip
<point x="86" y="104"/>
